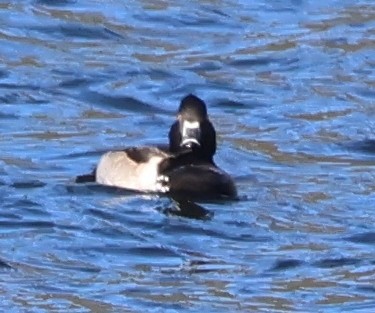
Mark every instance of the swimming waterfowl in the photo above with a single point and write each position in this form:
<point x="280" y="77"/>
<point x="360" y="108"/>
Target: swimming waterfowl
<point x="192" y="170"/>
<point x="185" y="168"/>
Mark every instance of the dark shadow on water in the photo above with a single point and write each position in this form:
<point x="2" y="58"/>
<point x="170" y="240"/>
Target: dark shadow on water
<point x="282" y="265"/>
<point x="26" y="224"/>
<point x="13" y="86"/>
<point x="94" y="188"/>
<point x="86" y="154"/>
<point x="4" y="265"/>
<point x="3" y="73"/>
<point x="186" y="208"/>
<point x="78" y="31"/>
<point x="120" y="102"/>
<point x="366" y="146"/>
<point x="367" y="288"/>
<point x="75" y="83"/>
<point x="364" y="238"/>
<point x="4" y="116"/>
<point x="26" y="203"/>
<point x="55" y="2"/>
<point x="290" y="264"/>
<point x="28" y="184"/>
<point x="230" y="104"/>
<point x="262" y="61"/>
<point x="179" y="206"/>
<point x="103" y="214"/>
<point x="152" y="251"/>
<point x="333" y="262"/>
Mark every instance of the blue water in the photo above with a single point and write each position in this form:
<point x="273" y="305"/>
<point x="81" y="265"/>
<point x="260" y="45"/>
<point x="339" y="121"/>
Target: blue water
<point x="290" y="87"/>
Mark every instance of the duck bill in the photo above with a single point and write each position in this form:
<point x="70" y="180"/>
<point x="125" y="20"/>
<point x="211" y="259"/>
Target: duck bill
<point x="191" y="133"/>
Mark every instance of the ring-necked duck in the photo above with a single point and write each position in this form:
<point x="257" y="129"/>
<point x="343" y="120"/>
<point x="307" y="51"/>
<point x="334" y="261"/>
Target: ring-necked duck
<point x="187" y="168"/>
<point x="192" y="170"/>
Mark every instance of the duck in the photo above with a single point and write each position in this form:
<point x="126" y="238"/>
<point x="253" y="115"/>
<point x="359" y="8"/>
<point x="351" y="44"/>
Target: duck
<point x="185" y="168"/>
<point x="192" y="171"/>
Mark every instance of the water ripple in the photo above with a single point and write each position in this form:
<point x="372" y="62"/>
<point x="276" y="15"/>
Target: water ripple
<point x="289" y="86"/>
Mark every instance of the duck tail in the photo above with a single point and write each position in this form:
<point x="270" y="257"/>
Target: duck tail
<point x="86" y="178"/>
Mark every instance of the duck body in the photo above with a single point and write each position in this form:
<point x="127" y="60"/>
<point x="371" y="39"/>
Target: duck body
<point x="184" y="168"/>
<point x="204" y="181"/>
<point x="134" y="168"/>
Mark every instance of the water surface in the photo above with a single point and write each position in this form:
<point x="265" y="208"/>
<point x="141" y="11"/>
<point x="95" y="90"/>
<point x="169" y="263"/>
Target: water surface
<point x="290" y="89"/>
